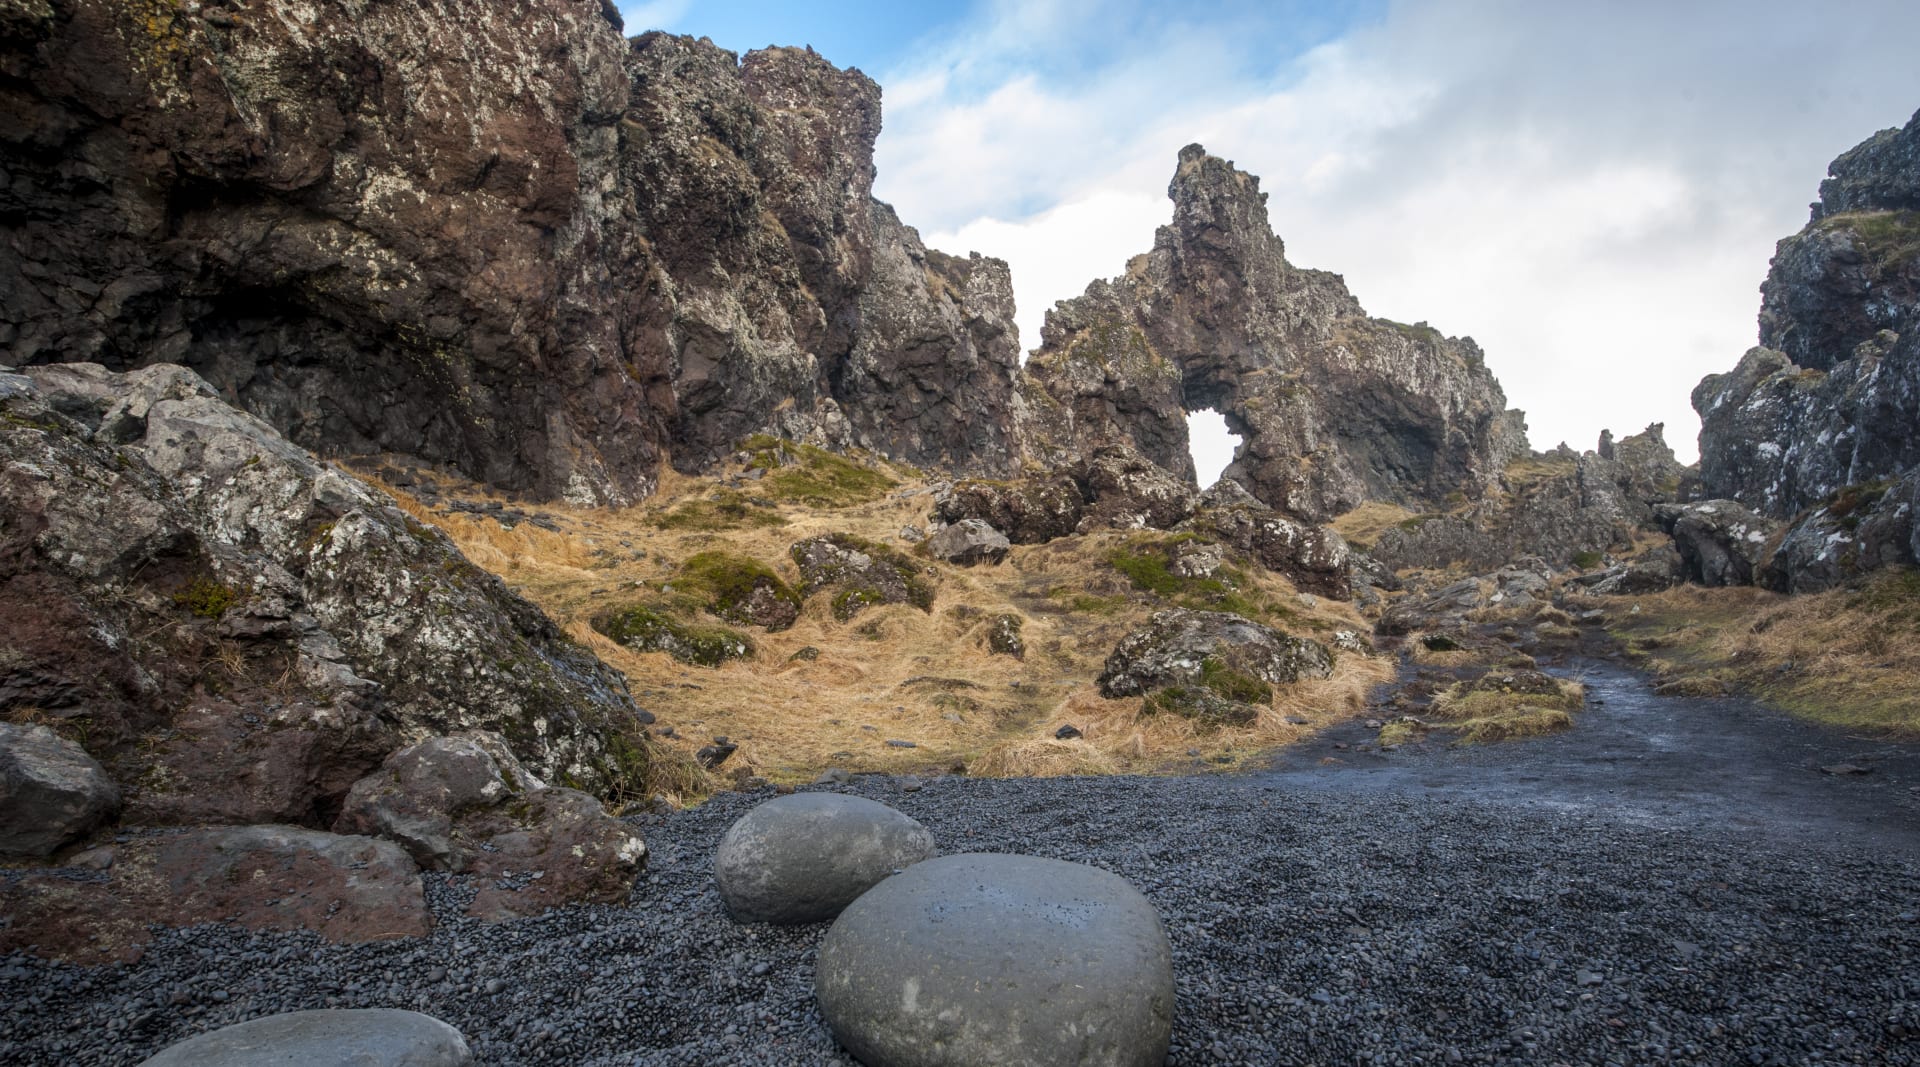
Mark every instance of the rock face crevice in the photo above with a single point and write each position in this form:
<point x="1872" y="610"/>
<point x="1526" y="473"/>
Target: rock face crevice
<point x="1334" y="407"/>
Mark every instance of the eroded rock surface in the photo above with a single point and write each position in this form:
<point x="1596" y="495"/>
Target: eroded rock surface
<point x="1829" y="399"/>
<point x="242" y="631"/>
<point x="260" y="877"/>
<point x="1175" y="647"/>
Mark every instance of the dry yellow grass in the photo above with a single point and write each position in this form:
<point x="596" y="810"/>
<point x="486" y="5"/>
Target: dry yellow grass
<point x="895" y="672"/>
<point x="1363" y="525"/>
<point x="1850" y="658"/>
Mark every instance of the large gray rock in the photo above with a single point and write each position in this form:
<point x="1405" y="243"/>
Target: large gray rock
<point x="335" y="624"/>
<point x="968" y="542"/>
<point x="466" y="804"/>
<point x="1174" y="649"/>
<point x="1720" y="542"/>
<point x="802" y="858"/>
<point x="51" y="791"/>
<point x="995" y="959"/>
<point x="356" y="1037"/>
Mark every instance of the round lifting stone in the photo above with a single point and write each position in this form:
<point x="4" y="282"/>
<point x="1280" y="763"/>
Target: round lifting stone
<point x="802" y="858"/>
<point x="1008" y="960"/>
<point x="356" y="1037"/>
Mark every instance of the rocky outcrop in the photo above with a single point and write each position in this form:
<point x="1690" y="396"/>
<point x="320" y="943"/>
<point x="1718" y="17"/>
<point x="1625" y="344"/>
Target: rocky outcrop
<point x="1830" y="398"/>
<point x="859" y="573"/>
<point x="465" y="804"/>
<point x="51" y="791"/>
<point x="1557" y="505"/>
<point x="1335" y="408"/>
<point x="1181" y="647"/>
<point x="1847" y="536"/>
<point x="1720" y="542"/>
<point x="239" y="631"/>
<point x="531" y="250"/>
<point x="791" y="300"/>
<point x="374" y="233"/>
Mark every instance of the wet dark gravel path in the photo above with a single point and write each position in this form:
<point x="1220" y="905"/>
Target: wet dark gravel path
<point x="1521" y="904"/>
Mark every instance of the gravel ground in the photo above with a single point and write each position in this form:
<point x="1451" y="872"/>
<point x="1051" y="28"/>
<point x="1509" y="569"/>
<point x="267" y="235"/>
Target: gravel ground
<point x="1307" y="927"/>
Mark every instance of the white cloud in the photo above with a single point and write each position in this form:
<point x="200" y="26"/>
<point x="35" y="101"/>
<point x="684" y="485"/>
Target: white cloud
<point x="1591" y="192"/>
<point x="658" y="15"/>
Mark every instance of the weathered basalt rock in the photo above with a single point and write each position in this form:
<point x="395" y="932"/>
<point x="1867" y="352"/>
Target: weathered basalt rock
<point x="51" y="791"/>
<point x="1029" y="511"/>
<point x="1334" y="407"/>
<point x="968" y="542"/>
<point x="531" y="250"/>
<point x="1830" y="397"/>
<point x="1720" y="542"/>
<point x="785" y="298"/>
<point x="1849" y="535"/>
<point x="375" y="234"/>
<point x="1180" y="646"/>
<point x="859" y="573"/>
<point x="1556" y="505"/>
<point x="246" y="631"/>
<point x="258" y="877"/>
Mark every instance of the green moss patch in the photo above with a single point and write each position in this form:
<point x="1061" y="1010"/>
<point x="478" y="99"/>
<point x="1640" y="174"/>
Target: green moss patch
<point x="648" y="629"/>
<point x="812" y="476"/>
<point x="206" y="598"/>
<point x="738" y="589"/>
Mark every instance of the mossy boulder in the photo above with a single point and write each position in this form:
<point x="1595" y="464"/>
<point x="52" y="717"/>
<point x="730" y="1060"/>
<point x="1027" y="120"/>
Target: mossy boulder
<point x="1029" y="511"/>
<point x="860" y="573"/>
<point x="648" y="629"/>
<point x="738" y="589"/>
<point x="1003" y="636"/>
<point x="1234" y="657"/>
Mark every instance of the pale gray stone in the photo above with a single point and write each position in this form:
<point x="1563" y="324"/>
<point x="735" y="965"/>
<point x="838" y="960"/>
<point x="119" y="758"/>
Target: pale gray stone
<point x="998" y="959"/>
<point x="802" y="858"/>
<point x="358" y="1037"/>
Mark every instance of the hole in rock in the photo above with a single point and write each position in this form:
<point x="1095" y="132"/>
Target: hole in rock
<point x="1212" y="444"/>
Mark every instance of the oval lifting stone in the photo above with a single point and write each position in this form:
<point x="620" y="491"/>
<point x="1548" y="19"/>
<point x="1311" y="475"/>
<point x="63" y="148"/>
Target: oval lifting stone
<point x="357" y="1037"/>
<point x="802" y="858"/>
<point x="1008" y="960"/>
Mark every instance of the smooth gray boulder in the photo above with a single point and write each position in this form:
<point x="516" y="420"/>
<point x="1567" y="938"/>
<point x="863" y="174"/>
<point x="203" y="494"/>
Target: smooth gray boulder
<point x="358" y="1037"/>
<point x="804" y="857"/>
<point x="51" y="791"/>
<point x="968" y="542"/>
<point x="1008" y="960"/>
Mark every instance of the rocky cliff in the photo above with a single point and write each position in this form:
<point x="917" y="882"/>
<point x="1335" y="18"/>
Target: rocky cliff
<point x="790" y="299"/>
<point x="1818" y="421"/>
<point x="1830" y="397"/>
<point x="1334" y="407"/>
<point x="529" y="250"/>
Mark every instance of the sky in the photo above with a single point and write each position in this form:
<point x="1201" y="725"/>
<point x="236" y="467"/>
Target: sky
<point x="1590" y="191"/>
